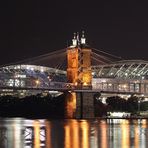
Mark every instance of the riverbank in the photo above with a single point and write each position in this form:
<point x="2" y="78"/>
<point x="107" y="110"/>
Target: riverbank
<point x="32" y="106"/>
<point x="132" y="118"/>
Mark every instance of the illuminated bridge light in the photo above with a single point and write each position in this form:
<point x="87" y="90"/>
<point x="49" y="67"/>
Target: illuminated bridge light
<point x="85" y="84"/>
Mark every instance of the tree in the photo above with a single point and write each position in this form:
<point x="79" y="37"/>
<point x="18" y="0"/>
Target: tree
<point x="117" y="103"/>
<point x="132" y="103"/>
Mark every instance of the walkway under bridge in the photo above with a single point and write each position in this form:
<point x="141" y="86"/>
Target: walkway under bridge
<point x="115" y="88"/>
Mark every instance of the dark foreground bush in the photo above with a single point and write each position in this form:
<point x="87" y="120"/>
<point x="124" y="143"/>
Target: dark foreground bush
<point x="32" y="106"/>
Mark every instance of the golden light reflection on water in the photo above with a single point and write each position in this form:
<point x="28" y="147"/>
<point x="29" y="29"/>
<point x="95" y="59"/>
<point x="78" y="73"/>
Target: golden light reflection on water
<point x="48" y="134"/>
<point x="125" y="134"/>
<point x="144" y="123"/>
<point x="85" y="133"/>
<point x="103" y="127"/>
<point x="76" y="133"/>
<point x="36" y="134"/>
<point x="67" y="136"/>
<point x="71" y="134"/>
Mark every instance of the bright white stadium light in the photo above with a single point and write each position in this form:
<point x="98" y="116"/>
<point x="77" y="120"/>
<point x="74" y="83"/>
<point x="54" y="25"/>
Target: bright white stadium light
<point x="18" y="66"/>
<point x="28" y="67"/>
<point x="42" y="70"/>
<point x="32" y="68"/>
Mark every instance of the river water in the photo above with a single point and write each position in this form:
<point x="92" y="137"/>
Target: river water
<point x="68" y="133"/>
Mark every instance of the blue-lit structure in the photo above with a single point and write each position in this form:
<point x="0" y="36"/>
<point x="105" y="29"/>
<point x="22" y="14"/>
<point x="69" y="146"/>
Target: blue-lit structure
<point x="28" y="76"/>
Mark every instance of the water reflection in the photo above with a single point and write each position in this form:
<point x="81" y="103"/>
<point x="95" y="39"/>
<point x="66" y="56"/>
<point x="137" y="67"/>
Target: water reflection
<point x="103" y="134"/>
<point x="84" y="128"/>
<point x="11" y="136"/>
<point x="125" y="143"/>
<point x="48" y="134"/>
<point x="22" y="133"/>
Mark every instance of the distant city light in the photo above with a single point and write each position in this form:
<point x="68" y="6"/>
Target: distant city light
<point x="42" y="70"/>
<point x="37" y="82"/>
<point x="93" y="73"/>
<point x="32" y="68"/>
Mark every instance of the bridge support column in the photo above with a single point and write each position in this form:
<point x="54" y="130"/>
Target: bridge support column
<point x="84" y="105"/>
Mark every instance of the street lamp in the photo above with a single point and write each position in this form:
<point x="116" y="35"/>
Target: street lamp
<point x="37" y="82"/>
<point x="139" y="102"/>
<point x="139" y="106"/>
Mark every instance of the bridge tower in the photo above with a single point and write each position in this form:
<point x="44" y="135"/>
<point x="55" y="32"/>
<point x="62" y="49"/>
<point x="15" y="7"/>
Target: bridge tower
<point x="79" y="62"/>
<point x="79" y="73"/>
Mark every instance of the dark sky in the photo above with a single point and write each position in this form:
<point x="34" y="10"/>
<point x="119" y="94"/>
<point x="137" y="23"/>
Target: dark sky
<point x="30" y="28"/>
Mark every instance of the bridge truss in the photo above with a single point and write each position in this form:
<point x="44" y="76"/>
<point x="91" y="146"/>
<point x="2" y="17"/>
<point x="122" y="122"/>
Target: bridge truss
<point x="125" y="76"/>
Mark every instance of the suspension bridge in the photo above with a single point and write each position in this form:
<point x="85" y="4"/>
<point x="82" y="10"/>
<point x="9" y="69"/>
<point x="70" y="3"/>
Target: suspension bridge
<point x="49" y="72"/>
<point x="78" y="68"/>
<point x="45" y="72"/>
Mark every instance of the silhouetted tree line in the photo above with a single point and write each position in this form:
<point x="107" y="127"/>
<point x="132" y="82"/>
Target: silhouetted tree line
<point x="117" y="103"/>
<point x="33" y="106"/>
<point x="38" y="106"/>
<point x="100" y="109"/>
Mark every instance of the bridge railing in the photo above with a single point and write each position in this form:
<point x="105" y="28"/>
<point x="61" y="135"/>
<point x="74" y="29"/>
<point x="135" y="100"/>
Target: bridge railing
<point x="108" y="87"/>
<point x="50" y="85"/>
<point x="122" y="87"/>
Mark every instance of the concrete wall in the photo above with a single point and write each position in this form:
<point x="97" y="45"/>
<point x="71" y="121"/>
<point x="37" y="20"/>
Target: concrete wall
<point x="84" y="105"/>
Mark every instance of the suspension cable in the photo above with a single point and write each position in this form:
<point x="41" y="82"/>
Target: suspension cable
<point x="102" y="57"/>
<point x="98" y="50"/>
<point x="37" y="58"/>
<point x="98" y="60"/>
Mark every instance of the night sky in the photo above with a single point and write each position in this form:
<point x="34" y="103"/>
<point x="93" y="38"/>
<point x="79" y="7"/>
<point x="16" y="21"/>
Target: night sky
<point x="30" y="28"/>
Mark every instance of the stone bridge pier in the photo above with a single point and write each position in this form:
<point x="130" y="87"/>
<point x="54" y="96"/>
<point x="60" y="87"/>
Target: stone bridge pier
<point x="85" y="104"/>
